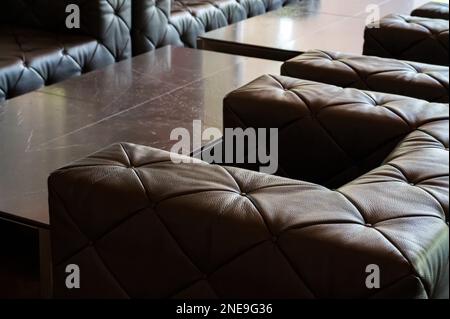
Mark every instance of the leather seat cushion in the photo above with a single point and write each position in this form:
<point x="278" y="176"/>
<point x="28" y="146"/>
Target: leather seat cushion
<point x="434" y="10"/>
<point x="408" y="38"/>
<point x="423" y="81"/>
<point x="33" y="58"/>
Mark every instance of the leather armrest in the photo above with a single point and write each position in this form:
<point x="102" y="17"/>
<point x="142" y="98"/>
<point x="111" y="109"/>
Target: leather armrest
<point x="140" y="226"/>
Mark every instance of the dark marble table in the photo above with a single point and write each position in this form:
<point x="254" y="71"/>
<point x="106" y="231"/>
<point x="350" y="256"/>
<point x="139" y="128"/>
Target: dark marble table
<point x="335" y="25"/>
<point x="138" y="100"/>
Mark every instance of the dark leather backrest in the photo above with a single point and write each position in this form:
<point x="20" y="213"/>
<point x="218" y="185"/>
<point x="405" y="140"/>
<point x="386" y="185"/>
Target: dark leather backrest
<point x="109" y="21"/>
<point x="151" y="28"/>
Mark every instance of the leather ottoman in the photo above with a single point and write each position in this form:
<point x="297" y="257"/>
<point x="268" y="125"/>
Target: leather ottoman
<point x="423" y="81"/>
<point x="434" y="10"/>
<point x="408" y="38"/>
<point x="140" y="226"/>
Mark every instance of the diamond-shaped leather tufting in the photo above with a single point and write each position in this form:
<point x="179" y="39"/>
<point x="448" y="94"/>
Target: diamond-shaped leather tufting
<point x="141" y="226"/>
<point x="408" y="38"/>
<point x="355" y="129"/>
<point x="37" y="49"/>
<point x="423" y="81"/>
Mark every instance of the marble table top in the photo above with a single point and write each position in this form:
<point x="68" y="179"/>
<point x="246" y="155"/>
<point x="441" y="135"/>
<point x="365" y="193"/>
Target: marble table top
<point x="139" y="100"/>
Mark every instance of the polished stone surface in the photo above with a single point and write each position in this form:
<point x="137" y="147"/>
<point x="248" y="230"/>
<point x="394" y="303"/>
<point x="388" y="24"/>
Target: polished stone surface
<point x="138" y="100"/>
<point x="335" y="25"/>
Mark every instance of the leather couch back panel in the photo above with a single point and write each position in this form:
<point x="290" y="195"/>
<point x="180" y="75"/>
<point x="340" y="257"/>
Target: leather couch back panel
<point x="32" y="58"/>
<point x="37" y="49"/>
<point x="327" y="135"/>
<point x="108" y="21"/>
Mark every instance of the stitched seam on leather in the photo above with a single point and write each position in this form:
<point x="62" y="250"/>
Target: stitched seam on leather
<point x="396" y="282"/>
<point x="356" y="206"/>
<point x="280" y="185"/>
<point x="431" y="177"/>
<point x="418" y="187"/>
<point x="444" y="212"/>
<point x="69" y="216"/>
<point x="361" y="78"/>
<point x="74" y="61"/>
<point x="412" y="268"/>
<point x="231" y="260"/>
<point x="188" y="193"/>
<point x="365" y="79"/>
<point x="232" y="177"/>
<point x="282" y="252"/>
<point x="299" y="276"/>
<point x="168" y="232"/>
<point x="427" y="133"/>
<point x="315" y="118"/>
<point x="321" y="223"/>
<point x="269" y="231"/>
<point x="190" y="285"/>
<point x="109" y="270"/>
<point x="387" y="107"/>
<point x="408" y="216"/>
<point x="19" y="45"/>
<point x="378" y="43"/>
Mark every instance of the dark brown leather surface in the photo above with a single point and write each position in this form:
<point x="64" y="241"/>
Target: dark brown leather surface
<point x="434" y="10"/>
<point x="36" y="48"/>
<point x="423" y="81"/>
<point x="180" y="22"/>
<point x="408" y="38"/>
<point x="338" y="134"/>
<point x="140" y="226"/>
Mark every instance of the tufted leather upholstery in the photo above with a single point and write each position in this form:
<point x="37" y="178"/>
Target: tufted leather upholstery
<point x="140" y="226"/>
<point x="180" y="22"/>
<point x="423" y="81"/>
<point x="37" y="49"/>
<point x="355" y="129"/>
<point x="151" y="28"/>
<point x="408" y="38"/>
<point x="434" y="10"/>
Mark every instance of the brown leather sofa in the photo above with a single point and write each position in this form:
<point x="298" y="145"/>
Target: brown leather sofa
<point x="408" y="38"/>
<point x="369" y="187"/>
<point x="37" y="49"/>
<point x="434" y="10"/>
<point x="180" y="22"/>
<point x="422" y="81"/>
